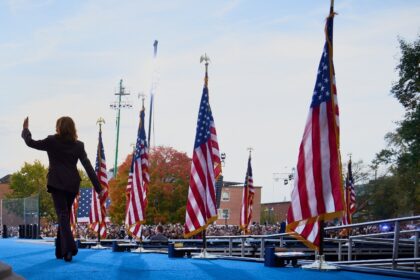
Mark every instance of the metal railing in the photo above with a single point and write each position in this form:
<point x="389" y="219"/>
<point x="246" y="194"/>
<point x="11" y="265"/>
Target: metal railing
<point x="343" y="244"/>
<point x="395" y="241"/>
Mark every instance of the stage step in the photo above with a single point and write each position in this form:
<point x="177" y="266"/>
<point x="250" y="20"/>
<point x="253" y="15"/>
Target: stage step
<point x="6" y="273"/>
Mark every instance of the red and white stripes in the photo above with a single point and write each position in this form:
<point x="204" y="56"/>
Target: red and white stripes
<point x="97" y="213"/>
<point x="206" y="167"/>
<point x="317" y="193"/>
<point x="138" y="182"/>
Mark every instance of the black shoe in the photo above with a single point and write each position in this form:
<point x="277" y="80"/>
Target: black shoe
<point x="68" y="257"/>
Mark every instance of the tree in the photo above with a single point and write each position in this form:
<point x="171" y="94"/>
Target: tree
<point x="117" y="188"/>
<point x="407" y="88"/>
<point x="402" y="154"/>
<point x="168" y="189"/>
<point x="31" y="180"/>
<point x="85" y="181"/>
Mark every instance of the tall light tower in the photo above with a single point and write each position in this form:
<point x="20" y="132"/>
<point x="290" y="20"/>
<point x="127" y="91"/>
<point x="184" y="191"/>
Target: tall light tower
<point x="118" y="105"/>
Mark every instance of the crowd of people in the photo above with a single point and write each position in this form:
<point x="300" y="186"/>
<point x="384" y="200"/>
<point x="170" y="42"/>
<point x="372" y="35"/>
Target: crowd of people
<point x="176" y="231"/>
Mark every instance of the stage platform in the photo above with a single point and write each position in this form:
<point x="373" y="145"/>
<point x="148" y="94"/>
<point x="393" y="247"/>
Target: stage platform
<point x="34" y="259"/>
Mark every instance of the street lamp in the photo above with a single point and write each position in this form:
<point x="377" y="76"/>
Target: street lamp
<point x="266" y="216"/>
<point x="225" y="216"/>
<point x="223" y="157"/>
<point x="271" y="212"/>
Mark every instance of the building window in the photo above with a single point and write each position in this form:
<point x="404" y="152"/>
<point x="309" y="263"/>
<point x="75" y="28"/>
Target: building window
<point x="225" y="196"/>
<point x="223" y="214"/>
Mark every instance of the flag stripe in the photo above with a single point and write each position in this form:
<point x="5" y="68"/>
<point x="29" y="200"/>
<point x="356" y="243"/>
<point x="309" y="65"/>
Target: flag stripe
<point x="137" y="184"/>
<point x="97" y="213"/>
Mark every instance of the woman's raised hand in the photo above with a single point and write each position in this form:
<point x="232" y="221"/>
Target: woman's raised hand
<point x="26" y="123"/>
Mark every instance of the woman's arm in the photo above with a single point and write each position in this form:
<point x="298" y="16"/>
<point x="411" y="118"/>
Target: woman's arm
<point x="90" y="171"/>
<point x="27" y="136"/>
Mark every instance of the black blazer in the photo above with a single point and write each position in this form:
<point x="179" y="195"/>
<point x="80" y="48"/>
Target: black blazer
<point x="63" y="157"/>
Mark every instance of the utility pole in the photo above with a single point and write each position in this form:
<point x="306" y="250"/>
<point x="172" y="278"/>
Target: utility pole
<point x="117" y="105"/>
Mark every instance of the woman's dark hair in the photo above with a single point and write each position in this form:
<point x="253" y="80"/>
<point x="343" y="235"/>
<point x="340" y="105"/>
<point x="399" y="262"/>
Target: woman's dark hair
<point x="66" y="129"/>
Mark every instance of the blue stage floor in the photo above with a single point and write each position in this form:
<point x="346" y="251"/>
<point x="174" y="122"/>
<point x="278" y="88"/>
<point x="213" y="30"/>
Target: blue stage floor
<point x="36" y="260"/>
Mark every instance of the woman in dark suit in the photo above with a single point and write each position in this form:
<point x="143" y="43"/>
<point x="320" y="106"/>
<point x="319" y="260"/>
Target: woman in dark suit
<point x="63" y="180"/>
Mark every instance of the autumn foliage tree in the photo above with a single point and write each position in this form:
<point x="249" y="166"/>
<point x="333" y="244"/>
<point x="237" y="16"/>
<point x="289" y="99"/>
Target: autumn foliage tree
<point x="168" y="189"/>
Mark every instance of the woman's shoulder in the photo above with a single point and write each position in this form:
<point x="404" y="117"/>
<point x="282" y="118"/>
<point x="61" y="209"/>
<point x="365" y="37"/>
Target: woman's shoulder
<point x="80" y="144"/>
<point x="51" y="137"/>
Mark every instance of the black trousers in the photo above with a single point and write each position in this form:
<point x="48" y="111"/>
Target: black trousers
<point x="62" y="203"/>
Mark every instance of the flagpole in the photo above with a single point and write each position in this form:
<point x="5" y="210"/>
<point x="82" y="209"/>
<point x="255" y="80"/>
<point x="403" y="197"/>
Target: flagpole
<point x="134" y="233"/>
<point x="152" y="92"/>
<point x="322" y="223"/>
<point x="320" y="263"/>
<point x="204" y="254"/>
<point x="100" y="121"/>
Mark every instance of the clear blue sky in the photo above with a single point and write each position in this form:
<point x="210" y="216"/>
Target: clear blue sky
<point x="66" y="58"/>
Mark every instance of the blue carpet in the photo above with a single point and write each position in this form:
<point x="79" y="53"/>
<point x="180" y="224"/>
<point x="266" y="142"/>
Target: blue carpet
<point x="37" y="261"/>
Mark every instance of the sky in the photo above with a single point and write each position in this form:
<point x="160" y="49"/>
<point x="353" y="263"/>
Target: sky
<point x="62" y="58"/>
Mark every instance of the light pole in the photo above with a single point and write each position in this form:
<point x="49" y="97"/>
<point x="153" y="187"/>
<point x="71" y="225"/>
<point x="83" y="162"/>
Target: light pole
<point x="225" y="215"/>
<point x="266" y="216"/>
<point x="38" y="235"/>
<point x="117" y="105"/>
<point x="271" y="213"/>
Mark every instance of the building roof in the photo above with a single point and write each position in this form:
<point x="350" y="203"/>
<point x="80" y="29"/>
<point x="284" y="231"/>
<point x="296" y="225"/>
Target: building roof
<point x="5" y="179"/>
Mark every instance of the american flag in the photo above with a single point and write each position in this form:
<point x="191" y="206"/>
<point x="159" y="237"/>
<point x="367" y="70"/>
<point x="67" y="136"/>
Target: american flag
<point x="317" y="193"/>
<point x="97" y="210"/>
<point x="73" y="215"/>
<point x="85" y="201"/>
<point x="349" y="197"/>
<point x="247" y="199"/>
<point x="205" y="169"/>
<point x="138" y="182"/>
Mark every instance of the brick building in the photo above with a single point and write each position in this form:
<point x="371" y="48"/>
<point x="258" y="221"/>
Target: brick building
<point x="231" y="203"/>
<point x="274" y="212"/>
<point x="4" y="186"/>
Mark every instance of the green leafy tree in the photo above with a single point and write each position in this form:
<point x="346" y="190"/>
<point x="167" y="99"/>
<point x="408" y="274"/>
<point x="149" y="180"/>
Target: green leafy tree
<point x="85" y="181"/>
<point x="117" y="193"/>
<point x="402" y="155"/>
<point x="31" y="180"/>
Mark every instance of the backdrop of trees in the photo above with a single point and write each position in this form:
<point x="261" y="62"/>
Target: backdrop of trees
<point x="397" y="192"/>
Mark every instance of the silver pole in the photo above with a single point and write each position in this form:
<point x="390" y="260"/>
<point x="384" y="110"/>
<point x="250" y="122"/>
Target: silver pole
<point x="395" y="245"/>
<point x="416" y="249"/>
<point x="340" y="250"/>
<point x="349" y="249"/>
<point x="263" y="248"/>
<point x="24" y="211"/>
<point x="1" y="214"/>
<point x="230" y="246"/>
<point x="242" y="247"/>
